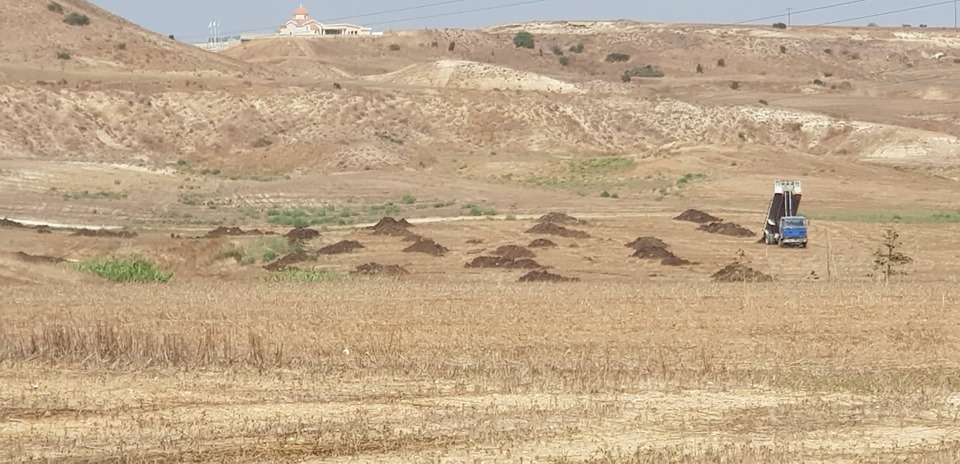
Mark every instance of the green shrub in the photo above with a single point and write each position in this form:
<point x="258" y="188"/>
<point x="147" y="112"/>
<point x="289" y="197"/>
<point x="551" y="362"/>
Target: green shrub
<point x="125" y="270"/>
<point x="262" y="142"/>
<point x="394" y="47"/>
<point x="617" y="58"/>
<point x="63" y="55"/>
<point x="578" y="48"/>
<point x="76" y="19"/>
<point x="647" y="70"/>
<point x="779" y="26"/>
<point x="564" y="61"/>
<point x="408" y="199"/>
<point x="55" y="7"/>
<point x="122" y="46"/>
<point x="523" y="40"/>
<point x="604" y="194"/>
<point x="556" y="50"/>
<point x="721" y="63"/>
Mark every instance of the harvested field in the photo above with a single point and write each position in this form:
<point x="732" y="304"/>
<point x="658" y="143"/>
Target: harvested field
<point x="542" y="243"/>
<point x="376" y="269"/>
<point x="697" y="216"/>
<point x="737" y="272"/>
<point x="341" y="247"/>
<point x="104" y="233"/>
<point x="426" y="246"/>
<point x="38" y="259"/>
<point x="544" y="276"/>
<point x="303" y="234"/>
<point x="234" y="232"/>
<point x="549" y="228"/>
<point x="727" y="228"/>
<point x="513" y="252"/>
<point x="502" y="262"/>
<point x="288" y="261"/>
<point x="561" y="218"/>
<point x="647" y="242"/>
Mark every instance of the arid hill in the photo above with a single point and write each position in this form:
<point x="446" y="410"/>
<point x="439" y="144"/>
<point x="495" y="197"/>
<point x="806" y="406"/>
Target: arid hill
<point x="34" y="34"/>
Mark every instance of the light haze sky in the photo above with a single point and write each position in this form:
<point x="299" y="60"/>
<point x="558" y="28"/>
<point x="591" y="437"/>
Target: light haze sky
<point x="188" y="19"/>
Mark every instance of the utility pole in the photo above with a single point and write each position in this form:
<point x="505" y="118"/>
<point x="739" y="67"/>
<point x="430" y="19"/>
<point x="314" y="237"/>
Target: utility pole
<point x="790" y="23"/>
<point x="954" y="14"/>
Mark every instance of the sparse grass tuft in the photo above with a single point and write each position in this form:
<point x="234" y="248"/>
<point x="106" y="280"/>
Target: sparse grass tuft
<point x="305" y="275"/>
<point x="133" y="270"/>
<point x="690" y="178"/>
<point x="606" y="165"/>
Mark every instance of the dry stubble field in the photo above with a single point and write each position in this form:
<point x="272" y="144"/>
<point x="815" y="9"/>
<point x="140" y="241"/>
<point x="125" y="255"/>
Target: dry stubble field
<point x="482" y="368"/>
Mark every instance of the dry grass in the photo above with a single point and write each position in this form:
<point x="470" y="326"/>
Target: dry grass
<point x="372" y="370"/>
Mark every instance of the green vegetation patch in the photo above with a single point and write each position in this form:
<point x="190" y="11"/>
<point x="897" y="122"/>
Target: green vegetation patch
<point x="887" y="217"/>
<point x="305" y="275"/>
<point x="99" y="195"/>
<point x="600" y="166"/>
<point x="126" y="270"/>
<point x="690" y="178"/>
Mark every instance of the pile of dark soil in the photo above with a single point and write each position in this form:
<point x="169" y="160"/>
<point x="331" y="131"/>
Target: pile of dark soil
<point x="675" y="261"/>
<point x="549" y="228"/>
<point x="727" y="228"/>
<point x="11" y="224"/>
<point x="391" y="227"/>
<point x="544" y="276"/>
<point x="302" y="234"/>
<point x="104" y="233"/>
<point x="38" y="259"/>
<point x="427" y="246"/>
<point x="339" y="248"/>
<point x="652" y="252"/>
<point x="737" y="272"/>
<point x="234" y="232"/>
<point x="375" y="269"/>
<point x="513" y="252"/>
<point x="561" y="218"/>
<point x="647" y="242"/>
<point x="287" y="261"/>
<point x="500" y="262"/>
<point x="694" y="215"/>
<point x="542" y="243"/>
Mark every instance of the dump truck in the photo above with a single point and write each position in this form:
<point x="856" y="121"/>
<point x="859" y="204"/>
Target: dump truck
<point x="783" y="226"/>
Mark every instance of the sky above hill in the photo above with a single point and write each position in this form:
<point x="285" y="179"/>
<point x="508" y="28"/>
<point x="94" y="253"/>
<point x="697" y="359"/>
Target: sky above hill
<point x="188" y="20"/>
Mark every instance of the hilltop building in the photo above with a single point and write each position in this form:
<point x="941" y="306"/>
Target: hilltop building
<point x="302" y="25"/>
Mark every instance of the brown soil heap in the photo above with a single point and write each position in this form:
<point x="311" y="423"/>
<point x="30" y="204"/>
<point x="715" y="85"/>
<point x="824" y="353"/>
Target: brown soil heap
<point x="549" y="228"/>
<point x="693" y="215"/>
<point x="234" y="232"/>
<point x="287" y="261"/>
<point x="486" y="262"/>
<point x="374" y="269"/>
<point x="513" y="252"/>
<point x="647" y="242"/>
<point x="542" y="243"/>
<point x="11" y="224"/>
<point x="104" y="233"/>
<point x="675" y="261"/>
<point x="339" y="248"/>
<point x="427" y="246"/>
<point x="303" y="234"/>
<point x="38" y="259"/>
<point x="391" y="227"/>
<point x="652" y="252"/>
<point x="736" y="272"/>
<point x="727" y="228"/>
<point x="561" y="218"/>
<point x="544" y="276"/>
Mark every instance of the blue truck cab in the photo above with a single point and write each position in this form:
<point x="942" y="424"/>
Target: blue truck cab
<point x="793" y="231"/>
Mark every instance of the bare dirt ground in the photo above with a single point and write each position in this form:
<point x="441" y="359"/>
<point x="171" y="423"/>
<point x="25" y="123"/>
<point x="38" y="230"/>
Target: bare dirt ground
<point x="241" y="176"/>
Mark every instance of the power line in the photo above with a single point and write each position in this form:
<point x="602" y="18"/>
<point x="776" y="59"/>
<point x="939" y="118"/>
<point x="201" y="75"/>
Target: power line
<point x="887" y="13"/>
<point x="809" y="10"/>
<point x="475" y="10"/>
<point x="356" y="16"/>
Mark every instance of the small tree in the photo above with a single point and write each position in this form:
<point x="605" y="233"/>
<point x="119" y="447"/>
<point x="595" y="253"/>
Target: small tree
<point x="888" y="260"/>
<point x="699" y="68"/>
<point x="523" y="39"/>
<point x="76" y="19"/>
